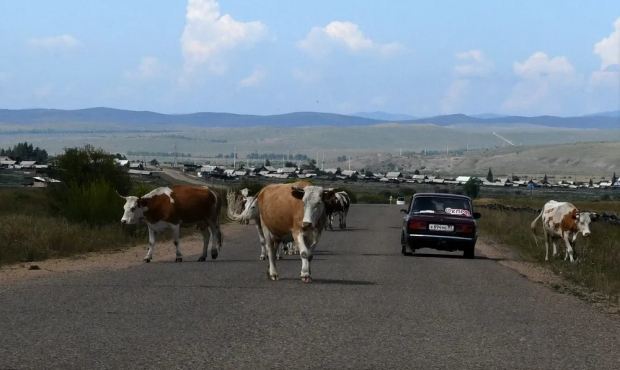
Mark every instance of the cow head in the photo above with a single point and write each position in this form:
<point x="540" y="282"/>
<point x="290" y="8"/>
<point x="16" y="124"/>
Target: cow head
<point x="133" y="210"/>
<point x="583" y="222"/>
<point x="314" y="198"/>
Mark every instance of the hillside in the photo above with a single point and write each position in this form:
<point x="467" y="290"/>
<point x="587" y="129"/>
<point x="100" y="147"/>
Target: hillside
<point x="118" y="119"/>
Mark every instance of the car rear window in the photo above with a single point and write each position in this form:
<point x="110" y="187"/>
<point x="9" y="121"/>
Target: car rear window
<point x="451" y="206"/>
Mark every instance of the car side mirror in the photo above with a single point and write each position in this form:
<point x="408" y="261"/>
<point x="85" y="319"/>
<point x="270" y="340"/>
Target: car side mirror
<point x="477" y="215"/>
<point x="403" y="210"/>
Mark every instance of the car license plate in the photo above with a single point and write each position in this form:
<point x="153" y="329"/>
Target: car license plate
<point x="439" y="227"/>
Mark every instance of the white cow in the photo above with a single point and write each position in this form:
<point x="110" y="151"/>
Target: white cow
<point x="562" y="220"/>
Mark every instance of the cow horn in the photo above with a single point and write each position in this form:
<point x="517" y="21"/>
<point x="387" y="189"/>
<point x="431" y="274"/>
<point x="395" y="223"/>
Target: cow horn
<point x="119" y="194"/>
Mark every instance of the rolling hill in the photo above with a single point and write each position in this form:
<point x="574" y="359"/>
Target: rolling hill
<point x="105" y="118"/>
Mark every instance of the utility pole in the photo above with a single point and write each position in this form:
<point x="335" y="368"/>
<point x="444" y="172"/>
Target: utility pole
<point x="234" y="158"/>
<point x="349" y="163"/>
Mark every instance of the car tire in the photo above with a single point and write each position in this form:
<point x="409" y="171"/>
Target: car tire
<point x="403" y="246"/>
<point x="469" y="253"/>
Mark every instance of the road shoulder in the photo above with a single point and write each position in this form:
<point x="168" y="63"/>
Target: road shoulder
<point x="537" y="273"/>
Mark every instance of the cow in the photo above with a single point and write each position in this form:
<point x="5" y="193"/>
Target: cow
<point x="290" y="211"/>
<point x="249" y="206"/>
<point x="562" y="220"/>
<point x="338" y="204"/>
<point x="169" y="207"/>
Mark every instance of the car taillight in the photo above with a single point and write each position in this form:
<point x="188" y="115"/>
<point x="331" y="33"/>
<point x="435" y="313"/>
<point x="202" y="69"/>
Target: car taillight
<point x="417" y="225"/>
<point x="464" y="228"/>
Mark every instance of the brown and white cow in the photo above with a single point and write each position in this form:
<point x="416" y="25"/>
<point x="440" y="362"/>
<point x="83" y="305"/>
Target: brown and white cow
<point x="562" y="220"/>
<point x="290" y="211"/>
<point x="167" y="207"/>
<point x="249" y="206"/>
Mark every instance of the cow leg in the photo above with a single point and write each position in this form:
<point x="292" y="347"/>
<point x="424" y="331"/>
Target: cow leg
<point x="270" y="245"/>
<point x="261" y="240"/>
<point x="176" y="231"/>
<point x="279" y="250"/>
<point x="306" y="256"/>
<point x="569" y="249"/>
<point x="206" y="236"/>
<point x="341" y="219"/>
<point x="149" y="252"/>
<point x="217" y="240"/>
<point x="546" y="244"/>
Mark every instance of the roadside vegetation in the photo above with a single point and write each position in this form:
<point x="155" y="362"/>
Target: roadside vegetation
<point x="598" y="265"/>
<point x="79" y="215"/>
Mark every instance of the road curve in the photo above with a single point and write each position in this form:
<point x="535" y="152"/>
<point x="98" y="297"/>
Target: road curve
<point x="368" y="308"/>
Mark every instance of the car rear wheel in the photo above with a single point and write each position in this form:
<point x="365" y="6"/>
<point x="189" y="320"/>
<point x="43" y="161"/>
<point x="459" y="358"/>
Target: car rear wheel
<point x="469" y="252"/>
<point x="403" y="246"/>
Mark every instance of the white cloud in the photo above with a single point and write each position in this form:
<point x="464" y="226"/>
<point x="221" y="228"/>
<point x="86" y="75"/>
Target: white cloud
<point x="54" y="43"/>
<point x="148" y="69"/>
<point x="321" y="40"/>
<point x="472" y="65"/>
<point x="544" y="85"/>
<point x="608" y="49"/>
<point x="208" y="35"/>
<point x="254" y="79"/>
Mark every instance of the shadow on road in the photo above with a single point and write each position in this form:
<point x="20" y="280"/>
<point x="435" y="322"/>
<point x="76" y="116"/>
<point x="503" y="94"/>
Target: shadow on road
<point x="455" y="256"/>
<point x="342" y="282"/>
<point x="350" y="229"/>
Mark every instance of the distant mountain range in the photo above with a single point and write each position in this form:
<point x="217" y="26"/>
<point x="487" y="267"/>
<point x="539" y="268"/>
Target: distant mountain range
<point x="99" y="118"/>
<point x="384" y="116"/>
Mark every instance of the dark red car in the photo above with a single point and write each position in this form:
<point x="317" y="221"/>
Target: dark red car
<point x="440" y="221"/>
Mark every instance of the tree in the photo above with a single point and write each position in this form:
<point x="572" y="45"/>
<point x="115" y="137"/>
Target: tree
<point x="591" y="184"/>
<point x="90" y="180"/>
<point x="416" y="172"/>
<point x="545" y="180"/>
<point x="614" y="178"/>
<point x="154" y="162"/>
<point x="25" y="152"/>
<point x="267" y="162"/>
<point x="472" y="188"/>
<point x="490" y="175"/>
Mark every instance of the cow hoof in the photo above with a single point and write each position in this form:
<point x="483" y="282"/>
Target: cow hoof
<point x="147" y="260"/>
<point x="202" y="259"/>
<point x="278" y="257"/>
<point x="306" y="279"/>
<point x="214" y="254"/>
<point x="262" y="258"/>
<point x="178" y="259"/>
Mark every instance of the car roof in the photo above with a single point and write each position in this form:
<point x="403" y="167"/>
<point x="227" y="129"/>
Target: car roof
<point x="442" y="195"/>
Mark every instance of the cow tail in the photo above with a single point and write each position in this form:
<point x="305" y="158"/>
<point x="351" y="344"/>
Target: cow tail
<point x="533" y="225"/>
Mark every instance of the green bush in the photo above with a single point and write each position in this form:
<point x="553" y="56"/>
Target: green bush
<point x="31" y="238"/>
<point x="95" y="203"/>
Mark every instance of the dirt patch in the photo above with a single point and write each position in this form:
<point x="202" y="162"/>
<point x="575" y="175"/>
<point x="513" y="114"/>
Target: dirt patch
<point x="540" y="274"/>
<point x="98" y="261"/>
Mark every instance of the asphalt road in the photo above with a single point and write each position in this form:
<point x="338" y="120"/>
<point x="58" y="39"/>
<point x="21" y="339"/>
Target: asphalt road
<point x="368" y="308"/>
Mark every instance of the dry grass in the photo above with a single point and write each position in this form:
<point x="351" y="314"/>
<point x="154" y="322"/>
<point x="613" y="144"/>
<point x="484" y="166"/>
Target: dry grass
<point x="598" y="265"/>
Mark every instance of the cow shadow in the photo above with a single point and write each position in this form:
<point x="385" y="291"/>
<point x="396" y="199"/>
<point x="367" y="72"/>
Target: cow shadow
<point x="349" y="229"/>
<point x="320" y="281"/>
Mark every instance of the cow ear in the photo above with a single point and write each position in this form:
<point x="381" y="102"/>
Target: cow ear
<point x="594" y="216"/>
<point x="327" y="194"/>
<point x="298" y="192"/>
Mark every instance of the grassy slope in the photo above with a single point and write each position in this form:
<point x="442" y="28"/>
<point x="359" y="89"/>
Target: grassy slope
<point x="599" y="256"/>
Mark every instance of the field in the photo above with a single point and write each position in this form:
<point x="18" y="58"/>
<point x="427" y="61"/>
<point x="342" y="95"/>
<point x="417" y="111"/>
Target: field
<point x="598" y="266"/>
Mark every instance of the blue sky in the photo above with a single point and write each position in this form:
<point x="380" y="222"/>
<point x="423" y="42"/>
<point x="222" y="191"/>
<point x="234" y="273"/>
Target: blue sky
<point x="278" y="56"/>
